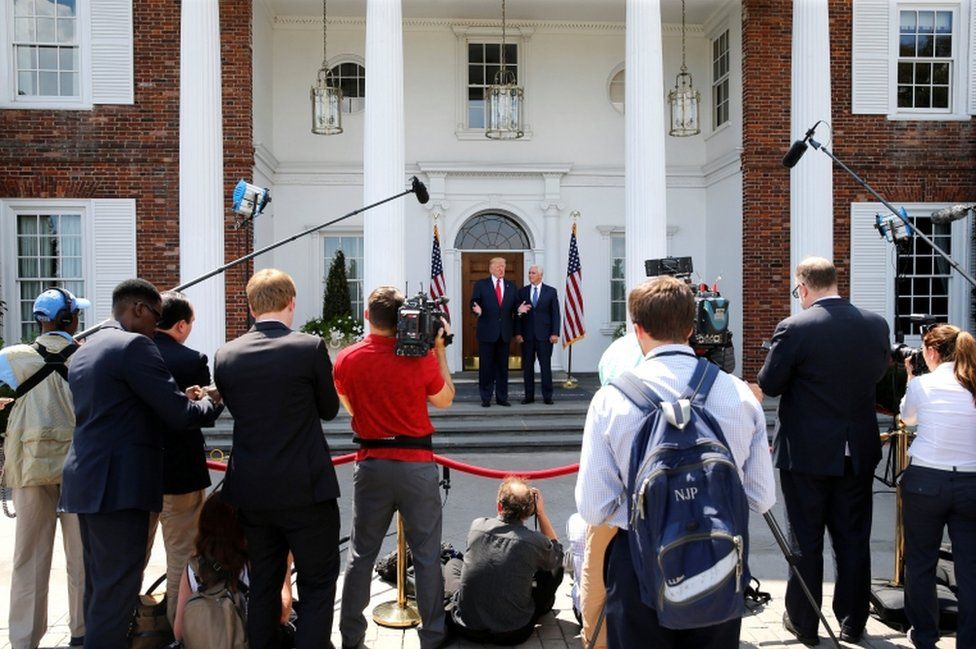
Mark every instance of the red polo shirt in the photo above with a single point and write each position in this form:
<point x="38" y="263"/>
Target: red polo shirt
<point x="388" y="395"/>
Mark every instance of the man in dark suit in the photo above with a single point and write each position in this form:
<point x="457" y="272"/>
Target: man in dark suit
<point x="824" y="363"/>
<point x="537" y="330"/>
<point x="278" y="385"/>
<point x="113" y="474"/>
<point x="185" y="474"/>
<point x="495" y="303"/>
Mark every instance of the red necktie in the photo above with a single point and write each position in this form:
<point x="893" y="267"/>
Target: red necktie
<point x="498" y="291"/>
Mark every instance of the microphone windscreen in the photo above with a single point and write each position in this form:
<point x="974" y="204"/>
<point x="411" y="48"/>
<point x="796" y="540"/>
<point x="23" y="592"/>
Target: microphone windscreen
<point x="950" y="214"/>
<point x="794" y="154"/>
<point x="420" y="190"/>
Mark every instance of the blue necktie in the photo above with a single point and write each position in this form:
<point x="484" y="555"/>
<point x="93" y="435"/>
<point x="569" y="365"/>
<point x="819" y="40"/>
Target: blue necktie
<point x="535" y="295"/>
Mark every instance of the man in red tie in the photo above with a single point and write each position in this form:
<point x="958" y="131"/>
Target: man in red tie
<point x="494" y="302"/>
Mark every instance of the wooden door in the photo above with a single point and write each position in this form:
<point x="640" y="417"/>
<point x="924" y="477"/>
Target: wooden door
<point x="474" y="266"/>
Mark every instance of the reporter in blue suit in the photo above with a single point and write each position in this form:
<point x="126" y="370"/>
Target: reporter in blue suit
<point x="124" y="397"/>
<point x="537" y="330"/>
<point x="494" y="302"/>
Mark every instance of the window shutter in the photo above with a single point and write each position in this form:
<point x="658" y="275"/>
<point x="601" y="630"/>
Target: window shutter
<point x="972" y="58"/>
<point x="870" y="58"/>
<point x="872" y="262"/>
<point x="114" y="250"/>
<point x="111" y="52"/>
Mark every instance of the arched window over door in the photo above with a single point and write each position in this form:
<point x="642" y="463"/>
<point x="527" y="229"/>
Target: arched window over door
<point x="492" y="231"/>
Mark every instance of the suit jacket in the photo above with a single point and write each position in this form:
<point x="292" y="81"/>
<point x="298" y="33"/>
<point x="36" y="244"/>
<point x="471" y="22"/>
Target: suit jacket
<point x="542" y="320"/>
<point x="825" y="363"/>
<point x="495" y="321"/>
<point x="278" y="385"/>
<point x="184" y="457"/>
<point x="123" y="397"/>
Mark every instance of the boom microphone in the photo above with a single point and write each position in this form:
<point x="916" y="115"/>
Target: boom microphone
<point x="420" y="190"/>
<point x="798" y="149"/>
<point x="950" y="214"/>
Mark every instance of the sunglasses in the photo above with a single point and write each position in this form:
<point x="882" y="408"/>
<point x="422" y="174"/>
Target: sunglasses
<point x="796" y="292"/>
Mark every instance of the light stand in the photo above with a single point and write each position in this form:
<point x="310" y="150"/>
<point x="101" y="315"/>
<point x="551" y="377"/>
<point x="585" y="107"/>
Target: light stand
<point x="416" y="187"/>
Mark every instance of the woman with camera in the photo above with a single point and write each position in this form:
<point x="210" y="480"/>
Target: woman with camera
<point x="939" y="487"/>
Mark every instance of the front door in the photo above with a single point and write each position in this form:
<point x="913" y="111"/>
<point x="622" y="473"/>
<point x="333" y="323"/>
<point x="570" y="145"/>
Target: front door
<point x="474" y="266"/>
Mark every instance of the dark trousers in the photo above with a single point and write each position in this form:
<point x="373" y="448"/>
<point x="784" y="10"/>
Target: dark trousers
<point x="115" y="554"/>
<point x="842" y="506"/>
<point x="541" y="349"/>
<point x="311" y="533"/>
<point x="543" y="596"/>
<point x="630" y="623"/>
<point x="493" y="369"/>
<point x="931" y="500"/>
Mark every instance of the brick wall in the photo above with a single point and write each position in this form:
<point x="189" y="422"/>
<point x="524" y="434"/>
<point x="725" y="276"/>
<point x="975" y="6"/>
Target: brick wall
<point x="904" y="161"/>
<point x="132" y="151"/>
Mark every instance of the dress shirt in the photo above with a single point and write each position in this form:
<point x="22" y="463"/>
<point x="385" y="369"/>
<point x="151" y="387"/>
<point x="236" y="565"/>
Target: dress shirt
<point x="946" y="418"/>
<point x="7" y="372"/>
<point x="613" y="420"/>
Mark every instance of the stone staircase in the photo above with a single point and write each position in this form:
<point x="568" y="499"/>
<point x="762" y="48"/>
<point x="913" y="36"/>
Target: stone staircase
<point x="466" y="426"/>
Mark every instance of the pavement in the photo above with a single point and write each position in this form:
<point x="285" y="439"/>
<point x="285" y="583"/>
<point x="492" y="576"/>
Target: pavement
<point x="472" y="496"/>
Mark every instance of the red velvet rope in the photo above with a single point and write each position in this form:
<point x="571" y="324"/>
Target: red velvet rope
<point x="541" y="474"/>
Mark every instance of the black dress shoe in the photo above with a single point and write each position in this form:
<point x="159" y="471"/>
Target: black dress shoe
<point x="810" y="641"/>
<point x="504" y="403"/>
<point x="527" y="400"/>
<point x="848" y="634"/>
<point x="548" y="402"/>
<point x="77" y="641"/>
<point x="486" y="404"/>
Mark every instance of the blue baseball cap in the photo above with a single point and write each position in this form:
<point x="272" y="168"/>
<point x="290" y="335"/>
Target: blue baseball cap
<point x="48" y="303"/>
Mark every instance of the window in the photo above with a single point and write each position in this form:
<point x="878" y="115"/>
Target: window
<point x="46" y="50"/>
<point x="925" y="59"/>
<point x="618" y="286"/>
<point x="491" y="232"/>
<point x="352" y="248"/>
<point x="351" y="78"/>
<point x="923" y="276"/>
<point x="49" y="253"/>
<point x="720" y="80"/>
<point x="484" y="62"/>
<point x="617" y="90"/>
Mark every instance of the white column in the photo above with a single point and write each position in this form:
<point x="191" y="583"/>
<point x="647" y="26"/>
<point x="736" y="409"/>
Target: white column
<point x="202" y="169"/>
<point x="383" y="147"/>
<point x="645" y="186"/>
<point x="554" y="273"/>
<point x="811" y="180"/>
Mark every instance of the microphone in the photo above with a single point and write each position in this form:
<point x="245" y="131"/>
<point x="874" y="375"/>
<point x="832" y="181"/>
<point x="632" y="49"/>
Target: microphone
<point x="950" y="214"/>
<point x="420" y="190"/>
<point x="798" y="149"/>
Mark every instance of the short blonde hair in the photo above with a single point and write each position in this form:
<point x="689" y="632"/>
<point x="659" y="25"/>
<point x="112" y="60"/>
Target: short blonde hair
<point x="817" y="273"/>
<point x="268" y="290"/>
<point x="495" y="260"/>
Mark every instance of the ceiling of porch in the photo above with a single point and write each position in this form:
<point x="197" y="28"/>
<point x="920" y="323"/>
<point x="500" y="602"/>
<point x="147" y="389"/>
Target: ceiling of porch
<point x="698" y="11"/>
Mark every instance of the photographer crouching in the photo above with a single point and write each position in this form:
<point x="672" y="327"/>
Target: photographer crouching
<point x="387" y="396"/>
<point x="939" y="486"/>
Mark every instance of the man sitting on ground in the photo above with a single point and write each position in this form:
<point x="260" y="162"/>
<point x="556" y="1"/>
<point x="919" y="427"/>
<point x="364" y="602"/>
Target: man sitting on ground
<point x="509" y="575"/>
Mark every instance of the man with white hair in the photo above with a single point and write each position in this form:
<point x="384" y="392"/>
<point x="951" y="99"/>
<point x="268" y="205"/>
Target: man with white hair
<point x="538" y="330"/>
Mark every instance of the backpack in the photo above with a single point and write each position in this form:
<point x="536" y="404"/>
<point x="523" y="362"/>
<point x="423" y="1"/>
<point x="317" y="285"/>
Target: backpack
<point x="688" y="512"/>
<point x="213" y="618"/>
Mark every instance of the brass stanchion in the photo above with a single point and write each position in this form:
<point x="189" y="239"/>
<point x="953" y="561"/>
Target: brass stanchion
<point x="900" y="436"/>
<point x="401" y="614"/>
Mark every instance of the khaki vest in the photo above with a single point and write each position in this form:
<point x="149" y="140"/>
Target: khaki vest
<point x="41" y="422"/>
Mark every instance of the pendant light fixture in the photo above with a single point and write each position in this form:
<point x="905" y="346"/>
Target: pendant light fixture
<point x="503" y="100"/>
<point x="684" y="99"/>
<point x="326" y="95"/>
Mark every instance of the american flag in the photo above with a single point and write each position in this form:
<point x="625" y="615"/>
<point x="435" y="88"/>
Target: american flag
<point x="573" y="328"/>
<point x="438" y="287"/>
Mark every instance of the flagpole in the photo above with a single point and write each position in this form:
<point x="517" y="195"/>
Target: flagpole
<point x="571" y="381"/>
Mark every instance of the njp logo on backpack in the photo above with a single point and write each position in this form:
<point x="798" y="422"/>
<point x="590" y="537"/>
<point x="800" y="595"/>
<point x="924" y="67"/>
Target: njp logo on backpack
<point x="688" y="511"/>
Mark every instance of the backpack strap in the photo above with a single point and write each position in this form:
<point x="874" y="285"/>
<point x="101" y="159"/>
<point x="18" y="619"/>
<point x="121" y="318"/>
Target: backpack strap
<point x="636" y="391"/>
<point x="53" y="362"/>
<point x="701" y="382"/>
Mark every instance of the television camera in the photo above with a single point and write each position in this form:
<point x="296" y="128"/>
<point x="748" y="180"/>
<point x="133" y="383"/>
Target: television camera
<point x="711" y="337"/>
<point x="418" y="321"/>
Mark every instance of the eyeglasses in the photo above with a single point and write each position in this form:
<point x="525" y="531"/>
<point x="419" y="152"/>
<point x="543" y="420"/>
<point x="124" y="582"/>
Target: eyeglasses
<point x="158" y="314"/>
<point x="796" y="292"/>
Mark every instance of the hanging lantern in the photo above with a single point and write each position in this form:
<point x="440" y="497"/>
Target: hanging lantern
<point x="684" y="99"/>
<point x="326" y="95"/>
<point x="503" y="100"/>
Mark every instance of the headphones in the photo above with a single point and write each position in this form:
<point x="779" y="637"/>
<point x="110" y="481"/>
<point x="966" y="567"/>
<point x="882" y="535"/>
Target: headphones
<point x="65" y="315"/>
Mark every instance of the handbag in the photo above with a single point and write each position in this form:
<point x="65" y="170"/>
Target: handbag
<point x="150" y="628"/>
